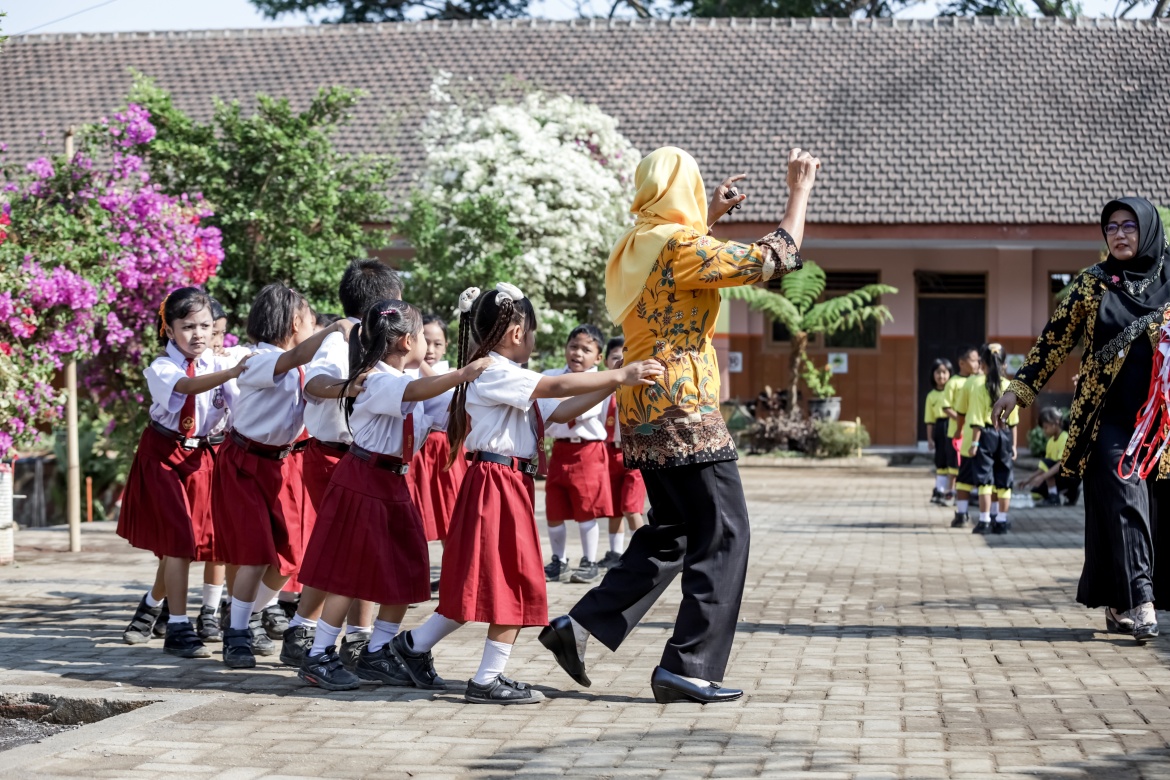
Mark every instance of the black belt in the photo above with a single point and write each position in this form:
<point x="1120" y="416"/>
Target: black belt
<point x="333" y="445"/>
<point x="391" y="463"/>
<point x="521" y="465"/>
<point x="186" y="442"/>
<point x="617" y="445"/>
<point x="263" y="450"/>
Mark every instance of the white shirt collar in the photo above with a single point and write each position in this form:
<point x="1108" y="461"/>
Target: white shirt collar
<point x="174" y="354"/>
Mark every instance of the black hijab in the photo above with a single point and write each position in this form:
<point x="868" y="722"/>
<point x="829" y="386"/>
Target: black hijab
<point x="1137" y="290"/>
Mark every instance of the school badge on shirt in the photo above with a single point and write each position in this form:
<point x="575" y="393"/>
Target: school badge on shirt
<point x="217" y="399"/>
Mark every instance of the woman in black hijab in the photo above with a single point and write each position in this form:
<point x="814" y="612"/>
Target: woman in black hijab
<point x="1117" y="308"/>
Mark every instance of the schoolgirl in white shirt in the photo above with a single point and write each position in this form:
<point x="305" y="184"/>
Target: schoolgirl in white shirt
<point x="166" y="506"/>
<point x="257" y="495"/>
<point x="369" y="542"/>
<point x="492" y="570"/>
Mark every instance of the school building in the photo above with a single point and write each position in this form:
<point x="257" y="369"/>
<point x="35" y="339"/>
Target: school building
<point x="965" y="160"/>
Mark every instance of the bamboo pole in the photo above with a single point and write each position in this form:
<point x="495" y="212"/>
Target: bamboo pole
<point x="73" y="449"/>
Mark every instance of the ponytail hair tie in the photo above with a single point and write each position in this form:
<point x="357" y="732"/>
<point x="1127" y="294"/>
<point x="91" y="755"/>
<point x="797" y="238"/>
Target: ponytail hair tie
<point x="390" y="311"/>
<point x="995" y="349"/>
<point x="162" y="317"/>
<point x="467" y="298"/>
<point x="509" y="291"/>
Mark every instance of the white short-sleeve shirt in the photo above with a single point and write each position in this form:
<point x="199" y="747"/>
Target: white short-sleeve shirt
<point x="587" y="427"/>
<point x="323" y="416"/>
<point x="230" y="388"/>
<point x="499" y="403"/>
<point x="166" y="405"/>
<point x="379" y="414"/>
<point x="438" y="406"/>
<point x="271" y="407"/>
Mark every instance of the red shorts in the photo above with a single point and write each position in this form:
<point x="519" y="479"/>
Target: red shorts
<point x="257" y="506"/>
<point x="492" y="566"/>
<point x="578" y="482"/>
<point x="166" y="506"/>
<point x="368" y="542"/>
<point x="629" y="491"/>
<point x="433" y="487"/>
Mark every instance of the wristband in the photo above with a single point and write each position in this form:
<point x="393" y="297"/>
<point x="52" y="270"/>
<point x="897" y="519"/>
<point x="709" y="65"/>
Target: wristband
<point x="975" y="444"/>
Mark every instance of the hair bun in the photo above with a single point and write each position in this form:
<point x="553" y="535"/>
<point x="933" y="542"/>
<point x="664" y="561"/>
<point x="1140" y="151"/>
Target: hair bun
<point x="467" y="298"/>
<point x="509" y="291"/>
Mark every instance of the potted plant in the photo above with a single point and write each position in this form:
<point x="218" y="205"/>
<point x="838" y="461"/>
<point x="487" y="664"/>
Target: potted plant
<point x="824" y="404"/>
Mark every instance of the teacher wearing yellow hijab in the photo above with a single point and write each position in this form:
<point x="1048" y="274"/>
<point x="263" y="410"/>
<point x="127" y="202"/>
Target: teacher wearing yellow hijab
<point x="662" y="286"/>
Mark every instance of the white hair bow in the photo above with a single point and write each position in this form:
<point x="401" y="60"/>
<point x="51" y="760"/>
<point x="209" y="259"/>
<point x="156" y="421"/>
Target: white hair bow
<point x="509" y="291"/>
<point x="467" y="298"/>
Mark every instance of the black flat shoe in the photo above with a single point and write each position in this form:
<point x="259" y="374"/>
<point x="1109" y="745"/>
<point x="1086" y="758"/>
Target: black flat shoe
<point x="1117" y="622"/>
<point x="981" y="528"/>
<point x="419" y="666"/>
<point x="502" y="690"/>
<point x="558" y="637"/>
<point x="958" y="521"/>
<point x="1145" y="632"/>
<point x="184" y="642"/>
<point x="669" y="688"/>
<point x="237" y="648"/>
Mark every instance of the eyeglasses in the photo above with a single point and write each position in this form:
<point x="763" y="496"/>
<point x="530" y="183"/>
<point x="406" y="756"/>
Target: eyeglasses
<point x="1127" y="228"/>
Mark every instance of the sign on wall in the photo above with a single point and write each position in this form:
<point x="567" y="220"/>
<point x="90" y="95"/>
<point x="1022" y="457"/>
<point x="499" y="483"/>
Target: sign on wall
<point x="839" y="362"/>
<point x="735" y="362"/>
<point x="1013" y="363"/>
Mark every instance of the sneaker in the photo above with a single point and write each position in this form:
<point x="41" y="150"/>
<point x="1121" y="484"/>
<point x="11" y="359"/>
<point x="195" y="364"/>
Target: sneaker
<point x="981" y="528"/>
<point x="298" y="640"/>
<point x="610" y="560"/>
<point x="289" y="608"/>
<point x="1052" y="499"/>
<point x="587" y="572"/>
<point x="959" y="521"/>
<point x="435" y="587"/>
<point x="936" y="497"/>
<point x="225" y="614"/>
<point x="164" y="617"/>
<point x="237" y="648"/>
<point x="502" y="690"/>
<point x="420" y="666"/>
<point x="207" y="625"/>
<point x="382" y="666"/>
<point x="557" y="570"/>
<point x="184" y="642"/>
<point x="1000" y="528"/>
<point x="352" y="646"/>
<point x="325" y="671"/>
<point x="142" y="624"/>
<point x="274" y="620"/>
<point x="261" y="643"/>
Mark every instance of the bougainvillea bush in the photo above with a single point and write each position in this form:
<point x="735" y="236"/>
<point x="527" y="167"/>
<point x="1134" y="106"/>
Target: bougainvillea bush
<point x="89" y="248"/>
<point x="538" y="187"/>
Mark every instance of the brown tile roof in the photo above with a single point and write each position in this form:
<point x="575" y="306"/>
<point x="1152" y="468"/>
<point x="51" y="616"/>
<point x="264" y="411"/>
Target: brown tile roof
<point x="936" y="121"/>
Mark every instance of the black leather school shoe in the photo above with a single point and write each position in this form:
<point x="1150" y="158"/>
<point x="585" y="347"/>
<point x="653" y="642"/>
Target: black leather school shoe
<point x="1118" y="622"/>
<point x="558" y="637"/>
<point x="237" y="648"/>
<point x="352" y="647"/>
<point x="274" y="620"/>
<point x="670" y="688"/>
<point x="207" y="625"/>
<point x="981" y="528"/>
<point x="141" y="627"/>
<point x="184" y="642"/>
<point x="298" y="640"/>
<point x="502" y="690"/>
<point x="959" y="520"/>
<point x="420" y="666"/>
<point x="164" y="616"/>
<point x="261" y="643"/>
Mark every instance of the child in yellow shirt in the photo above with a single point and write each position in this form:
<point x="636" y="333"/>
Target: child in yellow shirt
<point x="1049" y="466"/>
<point x="946" y="458"/>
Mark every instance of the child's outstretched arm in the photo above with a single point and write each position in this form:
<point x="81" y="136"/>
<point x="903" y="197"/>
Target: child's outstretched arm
<point x="426" y="387"/>
<point x="303" y="353"/>
<point x="194" y="385"/>
<point x="582" y="400"/>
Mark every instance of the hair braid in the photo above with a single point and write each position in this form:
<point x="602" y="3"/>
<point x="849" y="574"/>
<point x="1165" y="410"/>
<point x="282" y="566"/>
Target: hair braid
<point x="457" y="423"/>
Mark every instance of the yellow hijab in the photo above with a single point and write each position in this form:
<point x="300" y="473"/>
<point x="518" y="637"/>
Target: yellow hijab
<point x="669" y="196"/>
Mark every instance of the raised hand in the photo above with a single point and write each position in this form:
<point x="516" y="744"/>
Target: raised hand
<point x="802" y="170"/>
<point x="725" y="198"/>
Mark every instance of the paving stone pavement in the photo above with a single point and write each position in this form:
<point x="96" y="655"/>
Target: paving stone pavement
<point x="874" y="642"/>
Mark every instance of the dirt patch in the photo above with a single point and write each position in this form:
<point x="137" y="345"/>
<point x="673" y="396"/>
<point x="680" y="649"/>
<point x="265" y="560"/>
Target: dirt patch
<point x="31" y="717"/>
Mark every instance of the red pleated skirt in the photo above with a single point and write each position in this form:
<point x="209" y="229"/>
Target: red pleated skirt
<point x="628" y="488"/>
<point x="166" y="505"/>
<point x="257" y="506"/>
<point x="317" y="466"/>
<point x="578" y="482"/>
<point x="492" y="567"/>
<point x="368" y="542"/>
<point x="433" y="488"/>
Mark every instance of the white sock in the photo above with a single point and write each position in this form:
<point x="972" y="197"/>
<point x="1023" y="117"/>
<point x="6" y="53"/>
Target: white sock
<point x="590" y="535"/>
<point x="351" y="630"/>
<point x="265" y="597"/>
<point x="493" y="663"/>
<point x="1052" y="491"/>
<point x="617" y="542"/>
<point x="995" y="507"/>
<point x="298" y="620"/>
<point x="961" y="506"/>
<point x="940" y="483"/>
<point x="212" y="594"/>
<point x="431" y="632"/>
<point x="178" y="619"/>
<point x="383" y="632"/>
<point x="325" y="637"/>
<point x="984" y="517"/>
<point x="241" y="613"/>
<point x="151" y="601"/>
<point x="1003" y="517"/>
<point x="580" y="635"/>
<point x="558" y="540"/>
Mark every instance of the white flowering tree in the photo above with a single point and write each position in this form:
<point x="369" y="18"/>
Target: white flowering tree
<point x="534" y="191"/>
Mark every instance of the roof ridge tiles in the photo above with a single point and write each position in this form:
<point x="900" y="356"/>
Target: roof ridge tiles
<point x="811" y="24"/>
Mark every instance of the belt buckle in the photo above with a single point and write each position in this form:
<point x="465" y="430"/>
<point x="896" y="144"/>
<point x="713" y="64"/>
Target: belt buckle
<point x="575" y="440"/>
<point x="402" y="469"/>
<point x="527" y="467"/>
<point x="189" y="444"/>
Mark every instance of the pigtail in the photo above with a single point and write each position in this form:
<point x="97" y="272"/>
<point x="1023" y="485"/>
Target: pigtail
<point x="993" y="358"/>
<point x="457" y="412"/>
<point x="370" y="341"/>
<point x="356" y="358"/>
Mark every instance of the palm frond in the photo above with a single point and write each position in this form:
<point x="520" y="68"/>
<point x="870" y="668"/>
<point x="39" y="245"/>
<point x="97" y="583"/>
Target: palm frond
<point x="768" y="303"/>
<point x="804" y="287"/>
<point x="851" y="310"/>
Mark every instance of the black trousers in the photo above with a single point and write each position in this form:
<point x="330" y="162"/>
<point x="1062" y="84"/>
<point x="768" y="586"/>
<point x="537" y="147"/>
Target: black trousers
<point x="698" y="524"/>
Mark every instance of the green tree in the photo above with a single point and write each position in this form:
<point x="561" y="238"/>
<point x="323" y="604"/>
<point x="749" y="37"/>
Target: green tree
<point x="340" y="11"/>
<point x="290" y="205"/>
<point x="801" y="307"/>
<point x="790" y="8"/>
<point x="1067" y="9"/>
